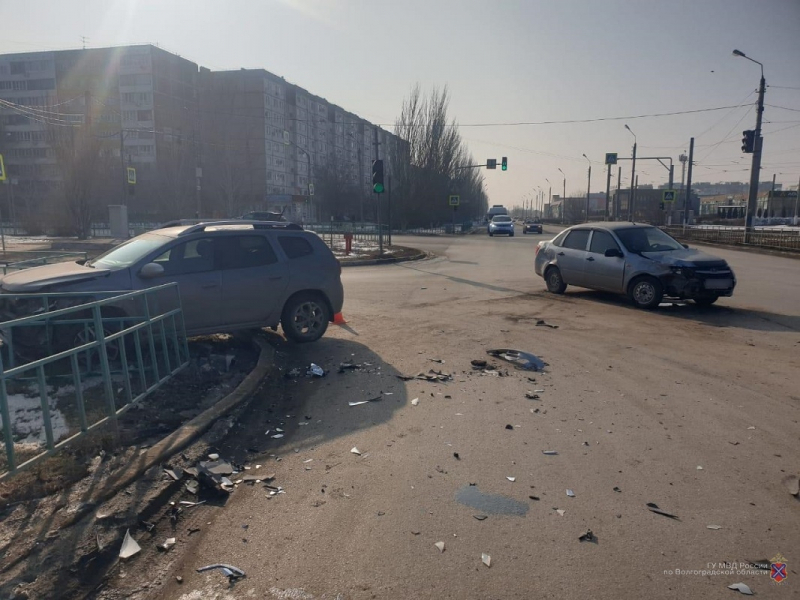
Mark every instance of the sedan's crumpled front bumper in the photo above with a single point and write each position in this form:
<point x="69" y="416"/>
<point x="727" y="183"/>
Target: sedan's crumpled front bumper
<point x="692" y="282"/>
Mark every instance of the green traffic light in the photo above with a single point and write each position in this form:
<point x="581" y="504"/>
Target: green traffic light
<point x="378" y="188"/>
<point x="504" y="164"/>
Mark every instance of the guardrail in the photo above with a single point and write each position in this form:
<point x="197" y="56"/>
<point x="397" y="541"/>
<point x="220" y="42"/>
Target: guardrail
<point x="776" y="240"/>
<point x="146" y="342"/>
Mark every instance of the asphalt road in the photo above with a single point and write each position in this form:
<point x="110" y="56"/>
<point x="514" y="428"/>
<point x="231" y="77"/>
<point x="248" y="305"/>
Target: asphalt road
<point x="693" y="409"/>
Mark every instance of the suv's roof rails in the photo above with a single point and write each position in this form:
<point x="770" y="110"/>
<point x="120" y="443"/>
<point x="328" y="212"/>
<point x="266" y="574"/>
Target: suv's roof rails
<point x="255" y="225"/>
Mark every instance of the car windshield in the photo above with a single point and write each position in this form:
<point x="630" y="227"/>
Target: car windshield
<point x="502" y="219"/>
<point x="129" y="253"/>
<point x="647" y="239"/>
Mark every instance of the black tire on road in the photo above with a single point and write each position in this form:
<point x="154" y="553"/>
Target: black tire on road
<point x="305" y="318"/>
<point x="706" y="300"/>
<point x="646" y="292"/>
<point x="554" y="281"/>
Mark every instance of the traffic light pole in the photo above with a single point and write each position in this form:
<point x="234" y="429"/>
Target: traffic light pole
<point x="755" y="170"/>
<point x="608" y="191"/>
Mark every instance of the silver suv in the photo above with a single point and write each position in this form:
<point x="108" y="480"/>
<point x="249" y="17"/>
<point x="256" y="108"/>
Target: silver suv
<point x="231" y="275"/>
<point x="628" y="258"/>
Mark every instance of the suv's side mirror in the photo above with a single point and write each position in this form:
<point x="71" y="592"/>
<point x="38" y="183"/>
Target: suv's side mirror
<point x="151" y="270"/>
<point x="685" y="246"/>
<point x="613" y="252"/>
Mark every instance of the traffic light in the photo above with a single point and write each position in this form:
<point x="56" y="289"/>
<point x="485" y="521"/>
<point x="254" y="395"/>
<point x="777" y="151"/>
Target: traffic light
<point x="748" y="141"/>
<point x="504" y="164"/>
<point x="377" y="176"/>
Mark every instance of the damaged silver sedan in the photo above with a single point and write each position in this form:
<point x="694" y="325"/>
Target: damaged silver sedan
<point x="638" y="260"/>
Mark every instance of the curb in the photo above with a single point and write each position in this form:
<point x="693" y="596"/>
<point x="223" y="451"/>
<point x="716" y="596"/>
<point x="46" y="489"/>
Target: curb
<point x="173" y="443"/>
<point x="383" y="261"/>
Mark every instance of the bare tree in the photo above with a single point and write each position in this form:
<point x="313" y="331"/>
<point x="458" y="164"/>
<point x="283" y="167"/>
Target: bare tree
<point x="81" y="162"/>
<point x="430" y="167"/>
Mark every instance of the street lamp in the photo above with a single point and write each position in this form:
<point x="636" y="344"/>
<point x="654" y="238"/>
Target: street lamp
<point x="588" y="187"/>
<point x="755" y="169"/>
<point x="633" y="176"/>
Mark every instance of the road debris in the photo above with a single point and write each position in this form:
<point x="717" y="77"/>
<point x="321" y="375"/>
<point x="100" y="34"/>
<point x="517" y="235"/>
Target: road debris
<point x="616" y="489"/>
<point x="543" y="323"/>
<point x="129" y="546"/>
<point x="358" y="403"/>
<point x="588" y="537"/>
<point x="432" y="375"/>
<point x="192" y="486"/>
<point x="293" y="373"/>
<point x="456" y="456"/>
<point x="534" y="497"/>
<point x="479" y="364"/>
<point x="440" y="546"/>
<point x="713" y="527"/>
<point x="511" y="479"/>
<point x="436" y="360"/>
<point x="511" y="427"/>
<point x="741" y="587"/>
<point x="277" y="436"/>
<point x="480" y="517"/>
<point x="792" y="483"/>
<point x="415" y="402"/>
<point x="168" y="543"/>
<point x="522" y="360"/>
<point x="550" y="452"/>
<point x="315" y="371"/>
<point x="175" y="474"/>
<point x="486" y="559"/>
<point x="570" y="493"/>
<point x="560" y="512"/>
<point x="355" y="450"/>
<point x="653" y="507"/>
<point x="348" y="367"/>
<point x="232" y="572"/>
<point x="531" y="396"/>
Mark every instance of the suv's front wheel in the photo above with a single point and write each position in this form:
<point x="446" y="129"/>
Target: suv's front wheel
<point x="305" y="318"/>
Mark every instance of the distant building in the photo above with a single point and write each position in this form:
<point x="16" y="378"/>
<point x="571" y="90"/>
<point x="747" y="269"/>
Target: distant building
<point x="217" y="143"/>
<point x="141" y="102"/>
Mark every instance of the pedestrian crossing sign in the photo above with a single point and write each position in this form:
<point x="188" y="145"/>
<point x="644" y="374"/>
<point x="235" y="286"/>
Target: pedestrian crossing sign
<point x="454" y="200"/>
<point x="669" y="196"/>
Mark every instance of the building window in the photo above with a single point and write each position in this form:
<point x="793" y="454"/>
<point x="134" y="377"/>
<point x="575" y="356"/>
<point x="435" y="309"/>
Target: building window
<point x="144" y="115"/>
<point x="129" y="115"/>
<point x="20" y="85"/>
<point x="18" y="68"/>
<point x="42" y="84"/>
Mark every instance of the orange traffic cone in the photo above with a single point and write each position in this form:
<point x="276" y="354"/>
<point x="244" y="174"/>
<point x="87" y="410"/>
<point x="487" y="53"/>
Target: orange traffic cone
<point x="338" y="319"/>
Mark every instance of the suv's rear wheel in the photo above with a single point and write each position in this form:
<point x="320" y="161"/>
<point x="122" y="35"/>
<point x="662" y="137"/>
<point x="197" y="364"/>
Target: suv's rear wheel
<point x="646" y="292"/>
<point x="554" y="281"/>
<point x="305" y="318"/>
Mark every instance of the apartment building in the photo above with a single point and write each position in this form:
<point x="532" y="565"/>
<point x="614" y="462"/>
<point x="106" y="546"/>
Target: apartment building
<point x="213" y="143"/>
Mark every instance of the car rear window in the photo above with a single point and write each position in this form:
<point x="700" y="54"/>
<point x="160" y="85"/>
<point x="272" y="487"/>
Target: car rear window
<point x="577" y="239"/>
<point x="294" y="246"/>
<point x="246" y="251"/>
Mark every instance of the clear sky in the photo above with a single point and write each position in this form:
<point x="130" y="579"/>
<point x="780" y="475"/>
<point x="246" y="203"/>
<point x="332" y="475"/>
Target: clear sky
<point x="504" y="61"/>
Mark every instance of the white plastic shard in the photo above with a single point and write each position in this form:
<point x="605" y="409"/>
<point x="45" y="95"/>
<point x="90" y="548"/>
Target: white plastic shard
<point x="129" y="546"/>
<point x="440" y="546"/>
<point x="486" y="559"/>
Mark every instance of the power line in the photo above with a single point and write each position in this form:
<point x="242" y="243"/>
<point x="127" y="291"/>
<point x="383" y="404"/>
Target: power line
<point x="783" y="107"/>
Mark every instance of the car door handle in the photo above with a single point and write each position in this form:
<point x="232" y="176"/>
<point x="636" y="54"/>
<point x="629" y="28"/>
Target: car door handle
<point x="208" y="286"/>
<point x="590" y="258"/>
<point x="561" y="254"/>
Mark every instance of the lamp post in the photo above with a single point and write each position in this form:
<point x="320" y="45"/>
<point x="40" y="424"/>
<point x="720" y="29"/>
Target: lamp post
<point x="563" y="195"/>
<point x="588" y="187"/>
<point x="633" y="176"/>
<point x="549" y="193"/>
<point x="755" y="169"/>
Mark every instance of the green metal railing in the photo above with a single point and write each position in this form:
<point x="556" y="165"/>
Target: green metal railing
<point x="147" y="343"/>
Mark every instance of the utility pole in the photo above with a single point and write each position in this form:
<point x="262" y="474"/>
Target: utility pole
<point x="389" y="200"/>
<point x="616" y="200"/>
<point x="755" y="169"/>
<point x="771" y="197"/>
<point x="608" y="192"/>
<point x="688" y="191"/>
<point x="796" y="198"/>
<point x="378" y="200"/>
<point x="588" y="187"/>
